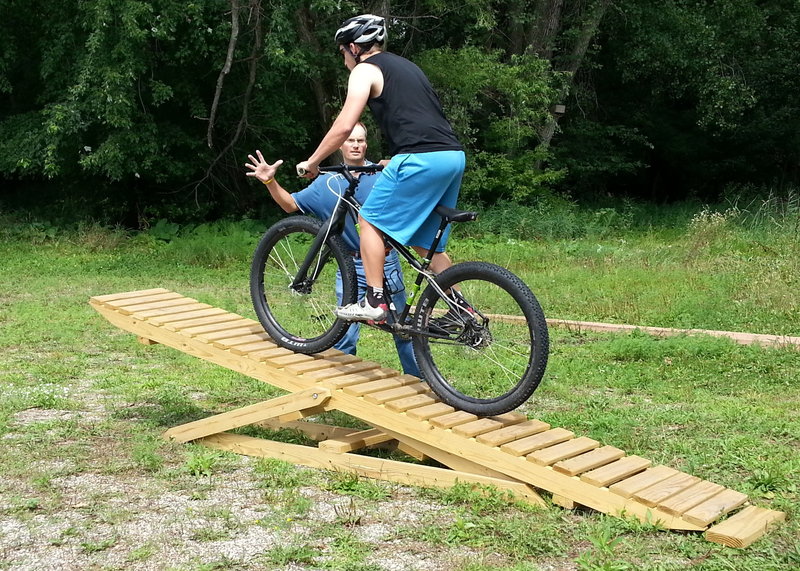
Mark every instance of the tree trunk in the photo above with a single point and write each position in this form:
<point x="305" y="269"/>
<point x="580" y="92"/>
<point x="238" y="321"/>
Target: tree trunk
<point x="587" y="33"/>
<point x="319" y="87"/>
<point x="572" y="63"/>
<point x="241" y="127"/>
<point x="544" y="28"/>
<point x="226" y="68"/>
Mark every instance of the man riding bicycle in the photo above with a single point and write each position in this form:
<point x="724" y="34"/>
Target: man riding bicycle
<point x="427" y="159"/>
<point x="319" y="199"/>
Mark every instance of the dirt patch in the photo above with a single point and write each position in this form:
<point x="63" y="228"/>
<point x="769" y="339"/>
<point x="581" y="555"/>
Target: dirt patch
<point x="82" y="518"/>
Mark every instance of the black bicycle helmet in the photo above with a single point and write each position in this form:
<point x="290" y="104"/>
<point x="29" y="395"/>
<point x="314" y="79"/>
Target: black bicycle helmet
<point x="363" y="29"/>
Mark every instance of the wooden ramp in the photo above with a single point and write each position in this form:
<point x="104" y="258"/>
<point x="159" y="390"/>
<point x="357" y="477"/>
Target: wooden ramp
<point x="508" y="451"/>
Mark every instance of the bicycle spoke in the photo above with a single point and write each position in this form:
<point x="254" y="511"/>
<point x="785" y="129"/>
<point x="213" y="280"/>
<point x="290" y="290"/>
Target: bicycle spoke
<point x="299" y="307"/>
<point x="485" y="364"/>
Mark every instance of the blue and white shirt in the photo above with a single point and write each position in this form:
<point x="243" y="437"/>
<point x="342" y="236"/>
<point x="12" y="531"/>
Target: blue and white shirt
<point x="319" y="198"/>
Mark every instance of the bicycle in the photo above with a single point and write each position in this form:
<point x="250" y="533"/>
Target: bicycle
<point x="479" y="334"/>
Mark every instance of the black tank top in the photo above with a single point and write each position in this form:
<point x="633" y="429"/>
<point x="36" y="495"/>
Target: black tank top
<point x="408" y="110"/>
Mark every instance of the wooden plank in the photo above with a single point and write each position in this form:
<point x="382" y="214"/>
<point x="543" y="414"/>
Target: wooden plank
<point x="510" y="418"/>
<point x="229" y="342"/>
<point x="476" y="427"/>
<point x="313" y="430"/>
<point x="553" y="454"/>
<point x="408" y="403"/>
<point x="398" y="393"/>
<point x="330" y="353"/>
<point x="217" y="326"/>
<point x="267" y="354"/>
<point x="355" y="441"/>
<point x="248" y="414"/>
<point x="340" y="371"/>
<point x="131" y="309"/>
<point x="564" y="502"/>
<point x="616" y="471"/>
<point x="715" y="507"/>
<point x="297" y="415"/>
<point x="484" y="425"/>
<point x="743" y="528"/>
<point x="381" y="469"/>
<point x="290" y="359"/>
<point x="589" y="461"/>
<point x="362" y="389"/>
<point x="430" y="411"/>
<point x="363" y="377"/>
<point x="140" y="300"/>
<point x="529" y="444"/>
<point x="183" y="324"/>
<point x="514" y="432"/>
<point x="453" y="419"/>
<point x="121" y="304"/>
<point x="322" y="363"/>
<point x="128" y="294"/>
<point x="253" y="347"/>
<point x="687" y="499"/>
<point x="657" y="493"/>
<point x="163" y="315"/>
<point x="626" y="488"/>
<point x="243" y="328"/>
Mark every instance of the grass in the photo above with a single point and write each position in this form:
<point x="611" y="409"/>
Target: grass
<point x="82" y="400"/>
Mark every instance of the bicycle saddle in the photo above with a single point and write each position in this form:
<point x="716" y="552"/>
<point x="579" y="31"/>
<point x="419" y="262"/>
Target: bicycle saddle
<point x="454" y="214"/>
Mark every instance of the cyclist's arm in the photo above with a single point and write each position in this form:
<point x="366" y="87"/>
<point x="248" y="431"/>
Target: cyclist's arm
<point x="359" y="87"/>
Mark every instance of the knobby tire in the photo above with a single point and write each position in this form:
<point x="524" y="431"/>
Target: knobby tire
<point x="488" y="361"/>
<point x="301" y="319"/>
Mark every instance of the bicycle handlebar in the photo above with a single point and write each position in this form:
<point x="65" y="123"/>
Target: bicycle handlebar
<point x="343" y="168"/>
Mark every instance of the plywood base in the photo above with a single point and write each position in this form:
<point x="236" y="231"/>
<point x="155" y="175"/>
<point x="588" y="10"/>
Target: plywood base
<point x="509" y="451"/>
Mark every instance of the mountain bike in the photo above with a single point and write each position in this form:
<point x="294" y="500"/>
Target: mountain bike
<point x="479" y="334"/>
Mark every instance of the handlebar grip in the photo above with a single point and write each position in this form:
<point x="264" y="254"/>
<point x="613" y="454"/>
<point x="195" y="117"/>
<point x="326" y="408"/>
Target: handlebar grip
<point x="301" y="171"/>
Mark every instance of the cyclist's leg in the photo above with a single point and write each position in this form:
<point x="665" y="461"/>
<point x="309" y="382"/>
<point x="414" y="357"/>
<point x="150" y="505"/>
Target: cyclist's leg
<point x="410" y="187"/>
<point x="373" y="253"/>
<point x="440" y="262"/>
<point x="423" y="237"/>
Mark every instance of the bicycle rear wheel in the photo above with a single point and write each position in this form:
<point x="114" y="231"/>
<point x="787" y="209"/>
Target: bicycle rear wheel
<point x="487" y="354"/>
<point x="300" y="317"/>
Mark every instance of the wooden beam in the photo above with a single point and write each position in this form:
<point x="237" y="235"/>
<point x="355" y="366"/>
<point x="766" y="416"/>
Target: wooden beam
<point x="309" y="398"/>
<point x="367" y="466"/>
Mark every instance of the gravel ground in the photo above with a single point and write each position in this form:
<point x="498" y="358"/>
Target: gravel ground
<point x="85" y="512"/>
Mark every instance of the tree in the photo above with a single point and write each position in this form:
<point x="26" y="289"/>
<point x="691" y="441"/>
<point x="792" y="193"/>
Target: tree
<point x="701" y="93"/>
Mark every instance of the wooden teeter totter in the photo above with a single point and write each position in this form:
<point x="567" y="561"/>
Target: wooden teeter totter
<point x="509" y="451"/>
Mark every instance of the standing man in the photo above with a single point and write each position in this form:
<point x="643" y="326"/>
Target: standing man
<point x="319" y="198"/>
<point x="427" y="159"/>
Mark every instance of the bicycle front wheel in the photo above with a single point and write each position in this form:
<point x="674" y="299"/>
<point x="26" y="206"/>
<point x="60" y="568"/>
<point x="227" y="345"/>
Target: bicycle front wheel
<point x="486" y="346"/>
<point x="297" y="310"/>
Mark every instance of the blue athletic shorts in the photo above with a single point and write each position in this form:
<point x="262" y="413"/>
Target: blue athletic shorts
<point x="409" y="188"/>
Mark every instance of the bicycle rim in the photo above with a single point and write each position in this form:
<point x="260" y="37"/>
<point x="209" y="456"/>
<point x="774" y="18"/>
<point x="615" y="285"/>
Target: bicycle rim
<point x="300" y="317"/>
<point x="487" y="359"/>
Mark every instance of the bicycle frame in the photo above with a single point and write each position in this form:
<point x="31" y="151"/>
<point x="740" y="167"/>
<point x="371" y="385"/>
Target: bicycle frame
<point x="349" y="206"/>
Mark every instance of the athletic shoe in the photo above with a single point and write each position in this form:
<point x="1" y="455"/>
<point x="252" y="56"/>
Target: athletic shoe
<point x="362" y="311"/>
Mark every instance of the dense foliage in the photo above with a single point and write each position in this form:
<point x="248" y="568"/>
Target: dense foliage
<point x="134" y="110"/>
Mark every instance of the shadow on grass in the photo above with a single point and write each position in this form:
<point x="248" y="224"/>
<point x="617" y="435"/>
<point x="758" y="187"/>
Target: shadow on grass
<point x="166" y="409"/>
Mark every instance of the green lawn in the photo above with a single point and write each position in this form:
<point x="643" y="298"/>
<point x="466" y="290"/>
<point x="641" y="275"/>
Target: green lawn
<point x="82" y="399"/>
